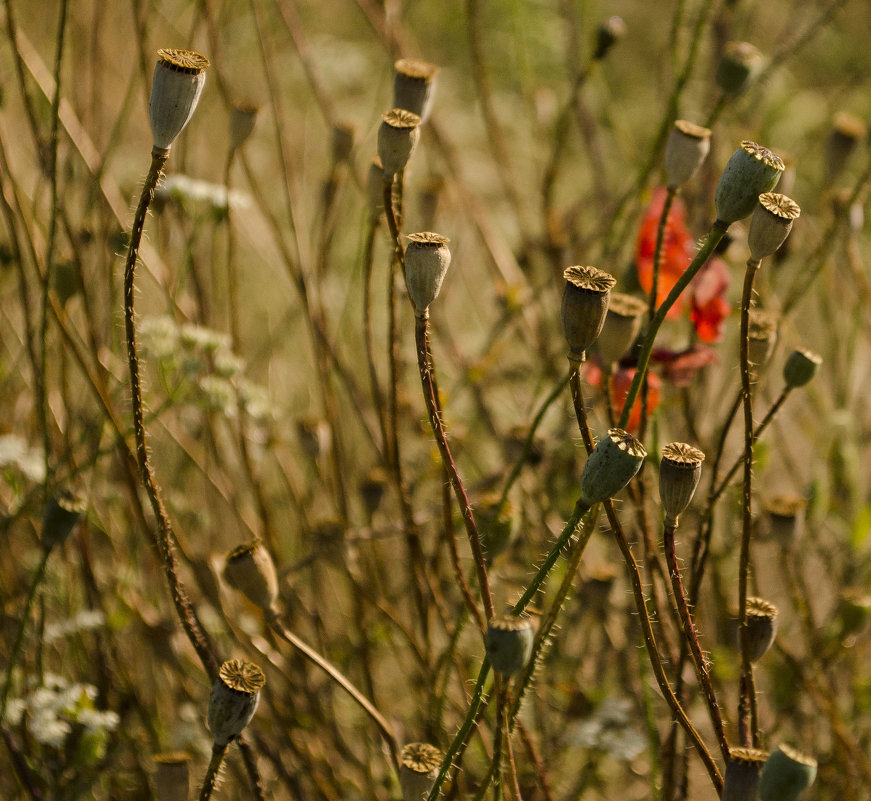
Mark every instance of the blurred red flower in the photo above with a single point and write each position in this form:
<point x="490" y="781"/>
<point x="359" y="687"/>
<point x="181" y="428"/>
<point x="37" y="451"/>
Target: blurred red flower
<point x="679" y="368"/>
<point x="677" y="249"/>
<point x="709" y="308"/>
<point x="621" y="380"/>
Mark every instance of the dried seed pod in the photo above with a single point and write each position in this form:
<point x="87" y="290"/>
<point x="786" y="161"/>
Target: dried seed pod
<point x="742" y="774"/>
<point x="243" y="118"/>
<point x="419" y="765"/>
<point x="771" y="223"/>
<point x="613" y="463"/>
<point x="739" y="65"/>
<point x="786" y="775"/>
<point x="761" y="627"/>
<point x="509" y="642"/>
<point x="372" y="489"/>
<point x="179" y="77"/>
<point x="234" y="698"/>
<point x="585" y="302"/>
<point x="800" y="367"/>
<point x="427" y="259"/>
<point x="622" y="324"/>
<point x="172" y="776"/>
<point x="343" y="142"/>
<point x="784" y="517"/>
<point x="848" y="131"/>
<point x="679" y="472"/>
<point x="853" y="612"/>
<point x="250" y="570"/>
<point x="750" y="171"/>
<point x="611" y="31"/>
<point x="687" y="147"/>
<point x="496" y="524"/>
<point x="414" y="84"/>
<point x="397" y="139"/>
<point x="60" y="517"/>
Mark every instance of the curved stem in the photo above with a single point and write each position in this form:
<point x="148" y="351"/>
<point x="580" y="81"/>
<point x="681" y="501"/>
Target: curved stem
<point x="745" y="704"/>
<point x="718" y="230"/>
<point x="343" y="681"/>
<point x="421" y="326"/>
<point x="692" y="639"/>
<point x="163" y="535"/>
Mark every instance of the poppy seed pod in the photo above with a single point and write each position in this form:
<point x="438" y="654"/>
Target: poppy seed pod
<point x="250" y="570"/>
<point x="679" y="472"/>
<point x="800" y="367"/>
<point x="585" y="303"/>
<point x="761" y="627"/>
<point x="742" y="774"/>
<point x="419" y="765"/>
<point x="687" y="147"/>
<point x="739" y="65"/>
<point x="414" y="84"/>
<point x="762" y="337"/>
<point x="611" y="31"/>
<point x="784" y="517"/>
<point x="62" y="514"/>
<point x="853" y="612"/>
<point x="848" y="131"/>
<point x="613" y="463"/>
<point x="234" y="698"/>
<point x="622" y="324"/>
<point x="397" y="139"/>
<point x="509" y="642"/>
<point x="771" y="223"/>
<point x="243" y="118"/>
<point x="750" y="171"/>
<point x="496" y="524"/>
<point x="786" y="775"/>
<point x="375" y="189"/>
<point x="427" y="259"/>
<point x="179" y="77"/>
<point x="172" y="780"/>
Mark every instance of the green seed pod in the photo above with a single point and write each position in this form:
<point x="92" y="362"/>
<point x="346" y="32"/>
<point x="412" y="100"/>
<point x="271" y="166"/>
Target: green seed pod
<point x="742" y="774"/>
<point x="740" y="64"/>
<point x="622" y="324"/>
<point x="179" y="78"/>
<point x="243" y="118"/>
<point x="427" y="259"/>
<point x="62" y="514"/>
<point x="397" y="139"/>
<point x="687" y="147"/>
<point x="509" y="643"/>
<point x="250" y="570"/>
<point x="848" y="131"/>
<point x="234" y="699"/>
<point x="786" y="775"/>
<point x="750" y="171"/>
<point x="611" y="466"/>
<point x="611" y="31"/>
<point x="800" y="367"/>
<point x="771" y="223"/>
<point x="761" y="627"/>
<point x="853" y="612"/>
<point x="419" y="765"/>
<point x="172" y="776"/>
<point x="679" y="472"/>
<point x="585" y="302"/>
<point x="784" y="518"/>
<point x="414" y="84"/>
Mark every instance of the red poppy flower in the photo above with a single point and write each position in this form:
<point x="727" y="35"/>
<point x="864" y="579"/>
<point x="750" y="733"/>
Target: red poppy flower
<point x="677" y="249"/>
<point x="679" y="368"/>
<point x="621" y="380"/>
<point x="709" y="308"/>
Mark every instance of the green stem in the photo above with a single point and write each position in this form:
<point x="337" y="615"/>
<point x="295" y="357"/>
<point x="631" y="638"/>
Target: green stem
<point x="213" y="771"/>
<point x="22" y="625"/>
<point x="747" y="693"/>
<point x="718" y="230"/>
